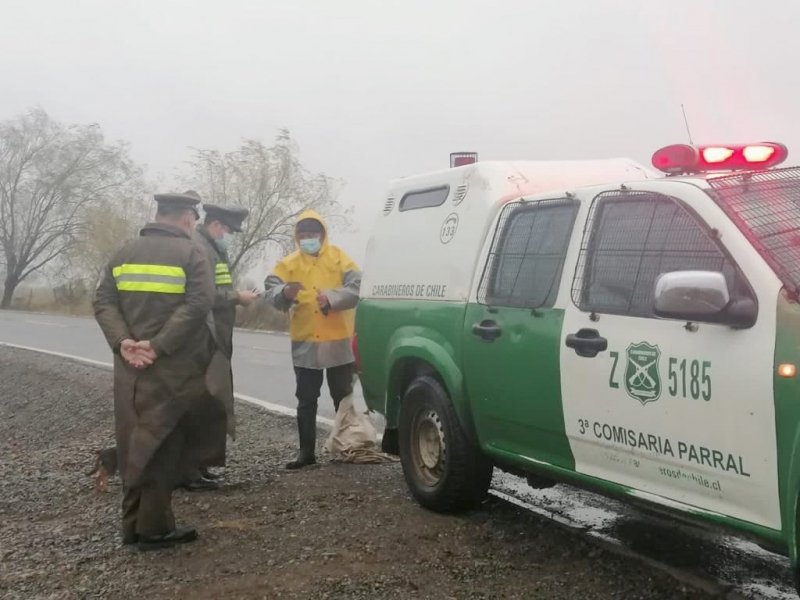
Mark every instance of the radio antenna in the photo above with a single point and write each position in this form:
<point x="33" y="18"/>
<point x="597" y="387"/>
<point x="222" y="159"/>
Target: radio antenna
<point x="686" y="121"/>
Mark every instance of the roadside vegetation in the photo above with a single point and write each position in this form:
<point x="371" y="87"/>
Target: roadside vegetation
<point x="69" y="198"/>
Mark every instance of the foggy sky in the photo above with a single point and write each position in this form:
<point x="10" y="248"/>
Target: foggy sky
<point x="373" y="90"/>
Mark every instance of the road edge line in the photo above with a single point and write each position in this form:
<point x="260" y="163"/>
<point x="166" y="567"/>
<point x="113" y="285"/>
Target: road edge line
<point x="709" y="585"/>
<point x="80" y="359"/>
<point x="269" y="406"/>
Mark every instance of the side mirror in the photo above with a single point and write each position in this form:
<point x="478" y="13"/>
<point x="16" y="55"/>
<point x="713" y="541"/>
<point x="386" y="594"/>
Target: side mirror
<point x="701" y="296"/>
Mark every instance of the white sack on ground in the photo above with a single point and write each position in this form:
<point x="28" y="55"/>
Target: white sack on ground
<point x="353" y="437"/>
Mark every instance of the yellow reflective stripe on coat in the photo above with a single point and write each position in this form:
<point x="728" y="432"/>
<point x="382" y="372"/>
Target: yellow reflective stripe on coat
<point x="223" y="274"/>
<point x="158" y="279"/>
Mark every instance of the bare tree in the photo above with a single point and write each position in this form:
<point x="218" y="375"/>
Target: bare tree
<point x="107" y="225"/>
<point x="273" y="185"/>
<point x="51" y="177"/>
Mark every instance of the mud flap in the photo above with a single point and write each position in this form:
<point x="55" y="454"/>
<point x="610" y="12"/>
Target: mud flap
<point x="390" y="444"/>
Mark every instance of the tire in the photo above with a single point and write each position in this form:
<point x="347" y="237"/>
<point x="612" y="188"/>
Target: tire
<point x="444" y="471"/>
<point x="796" y="570"/>
<point x="796" y="564"/>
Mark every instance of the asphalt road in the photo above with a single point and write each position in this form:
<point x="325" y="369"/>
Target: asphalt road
<point x="262" y="363"/>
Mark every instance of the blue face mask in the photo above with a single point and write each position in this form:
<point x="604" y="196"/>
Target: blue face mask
<point x="311" y="246"/>
<point x="225" y="242"/>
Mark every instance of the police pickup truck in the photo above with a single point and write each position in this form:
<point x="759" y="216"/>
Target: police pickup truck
<point x="630" y="330"/>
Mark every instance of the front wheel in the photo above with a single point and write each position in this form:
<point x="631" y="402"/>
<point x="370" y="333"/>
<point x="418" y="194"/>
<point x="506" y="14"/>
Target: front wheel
<point x="796" y="562"/>
<point x="444" y="470"/>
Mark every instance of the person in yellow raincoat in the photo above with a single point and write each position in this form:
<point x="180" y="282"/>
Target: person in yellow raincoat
<point x="319" y="285"/>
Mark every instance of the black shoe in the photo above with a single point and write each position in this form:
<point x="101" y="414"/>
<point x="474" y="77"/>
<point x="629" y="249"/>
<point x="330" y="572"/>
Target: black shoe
<point x="200" y="485"/>
<point x="301" y="461"/>
<point x="179" y="535"/>
<point x="205" y="473"/>
<point x="128" y="539"/>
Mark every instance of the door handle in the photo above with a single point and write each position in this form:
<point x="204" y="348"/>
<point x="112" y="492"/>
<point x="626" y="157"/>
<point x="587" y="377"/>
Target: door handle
<point x="586" y="342"/>
<point x="488" y="331"/>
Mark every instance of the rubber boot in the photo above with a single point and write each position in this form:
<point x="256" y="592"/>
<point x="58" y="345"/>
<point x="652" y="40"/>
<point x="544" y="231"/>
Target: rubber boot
<point x="391" y="441"/>
<point x="206" y="474"/>
<point x="307" y="431"/>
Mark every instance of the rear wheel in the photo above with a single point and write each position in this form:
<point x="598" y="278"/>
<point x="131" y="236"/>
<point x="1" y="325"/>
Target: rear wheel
<point x="444" y="470"/>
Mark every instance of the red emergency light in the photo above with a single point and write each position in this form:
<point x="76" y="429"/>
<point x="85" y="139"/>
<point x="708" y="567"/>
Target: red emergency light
<point x="684" y="158"/>
<point x="459" y="159"/>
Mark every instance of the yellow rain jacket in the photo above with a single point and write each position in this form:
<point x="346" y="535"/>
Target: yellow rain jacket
<point x="319" y="341"/>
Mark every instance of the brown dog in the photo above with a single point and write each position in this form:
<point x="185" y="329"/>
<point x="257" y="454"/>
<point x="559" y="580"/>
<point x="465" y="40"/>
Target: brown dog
<point x="104" y="468"/>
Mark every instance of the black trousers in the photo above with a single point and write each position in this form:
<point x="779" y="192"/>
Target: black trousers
<point x="309" y="386"/>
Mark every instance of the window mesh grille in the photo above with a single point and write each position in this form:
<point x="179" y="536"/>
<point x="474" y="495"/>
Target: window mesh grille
<point x="629" y="240"/>
<point x="527" y="255"/>
<point x="766" y="208"/>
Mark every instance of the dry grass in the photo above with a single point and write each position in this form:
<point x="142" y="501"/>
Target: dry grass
<point x="262" y="317"/>
<point x="45" y="300"/>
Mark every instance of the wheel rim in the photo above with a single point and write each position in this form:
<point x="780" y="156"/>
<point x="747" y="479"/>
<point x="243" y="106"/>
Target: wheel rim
<point x="429" y="448"/>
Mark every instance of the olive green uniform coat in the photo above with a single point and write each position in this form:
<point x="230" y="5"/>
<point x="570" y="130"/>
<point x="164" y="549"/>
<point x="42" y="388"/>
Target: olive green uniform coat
<point x="150" y="403"/>
<point x="213" y="417"/>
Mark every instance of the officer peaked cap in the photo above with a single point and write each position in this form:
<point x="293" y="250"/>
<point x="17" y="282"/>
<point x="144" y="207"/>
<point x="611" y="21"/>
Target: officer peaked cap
<point x="187" y="200"/>
<point x="227" y="214"/>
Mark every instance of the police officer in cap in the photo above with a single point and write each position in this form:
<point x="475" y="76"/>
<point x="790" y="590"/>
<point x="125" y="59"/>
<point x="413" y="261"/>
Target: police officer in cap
<point x="213" y="419"/>
<point x="152" y="305"/>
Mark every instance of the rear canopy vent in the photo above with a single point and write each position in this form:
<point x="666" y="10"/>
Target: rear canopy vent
<point x="460" y="194"/>
<point x="387" y="208"/>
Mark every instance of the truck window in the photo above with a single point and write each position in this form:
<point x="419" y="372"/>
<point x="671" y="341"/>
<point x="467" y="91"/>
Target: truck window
<point x="630" y="239"/>
<point x="424" y="198"/>
<point x="527" y="255"/>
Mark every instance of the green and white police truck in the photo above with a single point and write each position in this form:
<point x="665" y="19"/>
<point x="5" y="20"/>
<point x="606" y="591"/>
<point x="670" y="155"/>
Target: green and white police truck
<point x="630" y="330"/>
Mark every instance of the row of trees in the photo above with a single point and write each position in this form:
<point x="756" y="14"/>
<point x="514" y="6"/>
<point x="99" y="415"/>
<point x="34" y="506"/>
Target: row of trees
<point x="69" y="198"/>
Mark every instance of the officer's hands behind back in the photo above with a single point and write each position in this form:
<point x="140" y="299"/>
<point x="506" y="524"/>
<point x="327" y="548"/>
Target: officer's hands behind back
<point x="139" y="355"/>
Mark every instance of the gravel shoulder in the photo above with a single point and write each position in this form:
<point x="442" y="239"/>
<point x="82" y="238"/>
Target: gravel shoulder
<point x="331" y="532"/>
